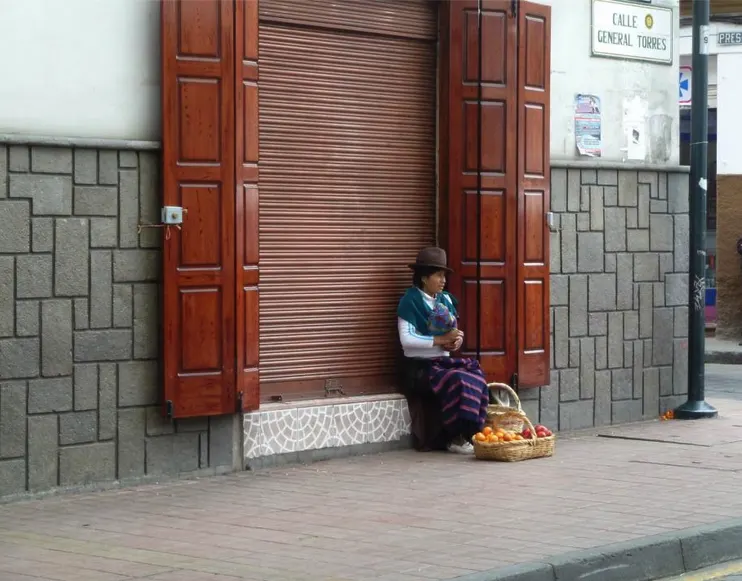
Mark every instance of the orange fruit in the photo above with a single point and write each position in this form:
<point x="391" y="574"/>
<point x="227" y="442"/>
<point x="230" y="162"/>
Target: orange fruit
<point x="518" y="437"/>
<point x="480" y="437"/>
<point x="487" y="431"/>
<point x="491" y="438"/>
<point x="507" y="438"/>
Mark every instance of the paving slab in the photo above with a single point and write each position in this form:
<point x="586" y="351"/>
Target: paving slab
<point x="406" y="516"/>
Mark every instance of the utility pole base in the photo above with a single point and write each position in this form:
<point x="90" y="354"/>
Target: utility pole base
<point x="695" y="410"/>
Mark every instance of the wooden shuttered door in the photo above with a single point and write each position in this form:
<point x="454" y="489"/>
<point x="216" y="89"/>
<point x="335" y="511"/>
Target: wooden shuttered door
<point x="495" y="181"/>
<point x="347" y="186"/>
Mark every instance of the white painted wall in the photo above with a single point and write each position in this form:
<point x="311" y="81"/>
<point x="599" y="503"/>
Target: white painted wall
<point x="729" y="114"/>
<point x="574" y="70"/>
<point x="80" y="68"/>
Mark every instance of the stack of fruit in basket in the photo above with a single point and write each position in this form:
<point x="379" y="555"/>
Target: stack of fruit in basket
<point x="497" y="435"/>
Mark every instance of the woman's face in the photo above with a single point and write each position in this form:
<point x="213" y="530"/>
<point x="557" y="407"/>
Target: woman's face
<point x="435" y="283"/>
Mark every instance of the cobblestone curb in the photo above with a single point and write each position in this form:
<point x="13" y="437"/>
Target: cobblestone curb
<point x="645" y="559"/>
<point x="724" y="357"/>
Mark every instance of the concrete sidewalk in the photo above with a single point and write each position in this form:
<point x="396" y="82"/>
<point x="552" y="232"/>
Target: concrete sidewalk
<point x="398" y="516"/>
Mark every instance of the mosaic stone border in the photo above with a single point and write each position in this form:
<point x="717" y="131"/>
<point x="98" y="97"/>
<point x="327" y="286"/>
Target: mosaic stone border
<point x="312" y="426"/>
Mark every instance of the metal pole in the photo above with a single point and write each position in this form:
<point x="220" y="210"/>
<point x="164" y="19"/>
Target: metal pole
<point x="696" y="407"/>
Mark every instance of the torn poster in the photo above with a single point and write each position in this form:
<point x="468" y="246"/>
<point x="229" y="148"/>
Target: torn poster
<point x="588" y="125"/>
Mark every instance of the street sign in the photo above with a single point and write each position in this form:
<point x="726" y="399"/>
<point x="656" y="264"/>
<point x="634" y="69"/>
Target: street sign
<point x="684" y="94"/>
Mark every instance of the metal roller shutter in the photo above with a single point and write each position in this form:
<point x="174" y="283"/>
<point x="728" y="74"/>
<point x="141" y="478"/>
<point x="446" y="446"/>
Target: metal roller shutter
<point x="347" y="186"/>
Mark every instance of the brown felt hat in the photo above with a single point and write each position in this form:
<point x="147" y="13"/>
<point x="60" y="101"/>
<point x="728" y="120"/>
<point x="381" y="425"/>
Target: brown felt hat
<point x="431" y="257"/>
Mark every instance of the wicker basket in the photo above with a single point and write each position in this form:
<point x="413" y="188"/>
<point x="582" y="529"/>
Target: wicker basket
<point x="516" y="451"/>
<point x="503" y="416"/>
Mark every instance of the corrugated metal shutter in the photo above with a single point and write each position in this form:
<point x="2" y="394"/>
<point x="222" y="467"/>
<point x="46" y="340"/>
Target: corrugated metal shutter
<point x="347" y="186"/>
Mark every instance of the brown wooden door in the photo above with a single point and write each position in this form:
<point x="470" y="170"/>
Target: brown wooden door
<point x="198" y="85"/>
<point x="534" y="70"/>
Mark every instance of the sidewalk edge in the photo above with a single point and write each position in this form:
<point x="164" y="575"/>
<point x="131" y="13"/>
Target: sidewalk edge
<point x="643" y="559"/>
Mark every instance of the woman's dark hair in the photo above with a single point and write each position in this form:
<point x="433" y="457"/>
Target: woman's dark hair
<point x="421" y="272"/>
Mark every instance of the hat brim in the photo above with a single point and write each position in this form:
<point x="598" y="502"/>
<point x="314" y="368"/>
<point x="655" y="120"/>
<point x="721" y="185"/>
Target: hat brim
<point x="418" y="265"/>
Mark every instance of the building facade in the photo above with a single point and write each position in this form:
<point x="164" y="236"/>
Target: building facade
<point x="304" y="152"/>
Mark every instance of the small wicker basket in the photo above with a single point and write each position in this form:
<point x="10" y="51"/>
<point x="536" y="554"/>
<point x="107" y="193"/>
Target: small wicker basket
<point x="504" y="416"/>
<point x="515" y="451"/>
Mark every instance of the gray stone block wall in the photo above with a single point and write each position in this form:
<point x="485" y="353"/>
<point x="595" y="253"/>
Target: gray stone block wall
<point x="619" y="296"/>
<point x="79" y="326"/>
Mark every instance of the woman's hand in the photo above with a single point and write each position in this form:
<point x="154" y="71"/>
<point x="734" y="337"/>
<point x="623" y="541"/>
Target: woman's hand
<point x="456" y="345"/>
<point x="449" y="338"/>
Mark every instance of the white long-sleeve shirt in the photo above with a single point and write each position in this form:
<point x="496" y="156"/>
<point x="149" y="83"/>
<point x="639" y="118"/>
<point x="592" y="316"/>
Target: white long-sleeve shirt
<point x="413" y="343"/>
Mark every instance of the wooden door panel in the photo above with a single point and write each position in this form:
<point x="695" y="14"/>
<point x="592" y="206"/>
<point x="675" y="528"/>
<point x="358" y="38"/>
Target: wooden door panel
<point x="246" y="171"/>
<point x="198" y="160"/>
<point x="533" y="195"/>
<point x="479" y="224"/>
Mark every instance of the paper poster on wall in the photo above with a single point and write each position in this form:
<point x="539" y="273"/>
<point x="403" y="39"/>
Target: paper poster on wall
<point x="588" y="125"/>
<point x="634" y="123"/>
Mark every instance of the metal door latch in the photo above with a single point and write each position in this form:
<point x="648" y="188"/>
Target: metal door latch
<point x="172" y="215"/>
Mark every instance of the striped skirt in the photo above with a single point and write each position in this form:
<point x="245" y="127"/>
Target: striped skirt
<point x="461" y="389"/>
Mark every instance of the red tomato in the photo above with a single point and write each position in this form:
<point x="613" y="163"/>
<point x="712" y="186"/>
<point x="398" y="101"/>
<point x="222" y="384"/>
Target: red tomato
<point x="526" y="433"/>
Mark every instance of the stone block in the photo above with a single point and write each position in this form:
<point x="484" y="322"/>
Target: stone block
<point x="561" y="337"/>
<point x="569" y="243"/>
<point x="632" y="221"/>
<point x="139" y="383"/>
<point x="12" y="476"/>
<point x="86" y="386"/>
<point x="681" y="243"/>
<point x="615" y="340"/>
<point x="607" y="177"/>
<point x="681" y="321"/>
<point x="52" y="160"/>
<point x="646" y="267"/>
<point x="559" y="290"/>
<point x="638" y="241"/>
<point x="647" y="350"/>
<point x="43" y="435"/>
<point x="87" y="464"/>
<point x="108" y="168"/>
<point x="638" y="353"/>
<point x="676" y="290"/>
<point x="659" y="294"/>
<point x="50" y="395"/>
<point x="661" y="186"/>
<point x="602" y="403"/>
<point x="577" y="305"/>
<point x="7" y="296"/>
<point x="27" y="318"/>
<point x="555" y="251"/>
<point x="529" y="407"/>
<point x="107" y="388"/>
<point x="573" y="190"/>
<point x="666" y="377"/>
<point x="590" y="252"/>
<point x="589" y="176"/>
<point x="103" y="345"/>
<point x="631" y="325"/>
<point x="104" y="232"/>
<point x="558" y="190"/>
<point x="19" y="358"/>
<point x="569" y="385"/>
<point x="585" y="192"/>
<point x="621" y="384"/>
<point x="627" y="411"/>
<point x="221" y="440"/>
<point x="597" y="324"/>
<point x="95" y="201"/>
<point x="86" y="166"/>
<point x="136" y="265"/>
<point x="56" y="338"/>
<point x="610" y="263"/>
<point x="3" y="171"/>
<point x="661" y="233"/>
<point x="128" y="208"/>
<point x="663" y="327"/>
<point x="627" y="188"/>
<point x="628" y="352"/>
<point x="15" y="227"/>
<point x="667" y="264"/>
<point x="157" y="425"/>
<point x="146" y="321"/>
<point x="625" y="282"/>
<point x="610" y="196"/>
<point x="642" y="210"/>
<point x="19" y="159"/>
<point x="680" y="367"/>
<point x="587" y="368"/>
<point x="602" y="292"/>
<point x="128" y="159"/>
<point x="78" y="427"/>
<point x="34" y="276"/>
<point x="574" y="353"/>
<point x="549" y="402"/>
<point x="131" y="442"/>
<point x="13" y="396"/>
<point x="122" y="306"/>
<point x="678" y="193"/>
<point x="601" y="352"/>
<point x="202" y="424"/>
<point x="596" y="208"/>
<point x="71" y="257"/>
<point x="615" y="230"/>
<point x="82" y="317"/>
<point x="175" y="454"/>
<point x="101" y="289"/>
<point x="646" y="309"/>
<point x="50" y="195"/>
<point x="658" y="206"/>
<point x="42" y="234"/>
<point x="651" y="392"/>
<point x="583" y="222"/>
<point x="576" y="415"/>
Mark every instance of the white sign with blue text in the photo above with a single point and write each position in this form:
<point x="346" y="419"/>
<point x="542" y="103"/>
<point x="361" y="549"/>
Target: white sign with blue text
<point x="632" y="31"/>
